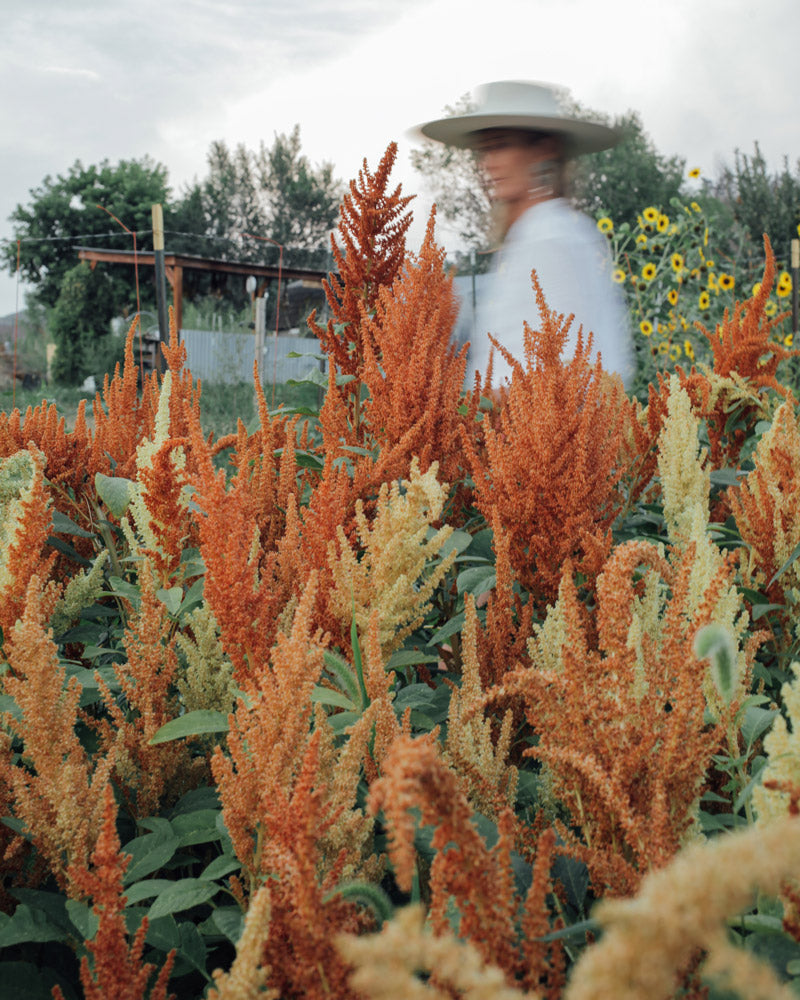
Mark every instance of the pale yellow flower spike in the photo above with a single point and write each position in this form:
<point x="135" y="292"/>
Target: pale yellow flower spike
<point x="685" y="487"/>
<point x="684" y="483"/>
<point x="16" y="482"/>
<point x="650" y="939"/>
<point x="390" y="576"/>
<point x="386" y="964"/>
<point x="207" y="680"/>
<point x="247" y="976"/>
<point x="491" y="781"/>
<point x="782" y="747"/>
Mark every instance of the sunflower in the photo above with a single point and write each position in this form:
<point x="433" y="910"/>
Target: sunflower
<point x="649" y="272"/>
<point x="646" y="327"/>
<point x="663" y="223"/>
<point x="617" y="275"/>
<point x="784" y="285"/>
<point x="694" y="172"/>
<point x="688" y="349"/>
<point x="756" y="289"/>
<point x="770" y="308"/>
<point x="650" y="214"/>
<point x="663" y="347"/>
<point x="726" y="281"/>
<point x="641" y="240"/>
<point x="674" y="352"/>
<point x="696" y="207"/>
<point x="704" y="301"/>
<point x="789" y="338"/>
<point x="672" y="297"/>
<point x="677" y="262"/>
<point x="605" y="225"/>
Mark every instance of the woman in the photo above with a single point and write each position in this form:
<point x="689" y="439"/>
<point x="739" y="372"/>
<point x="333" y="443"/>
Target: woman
<point x="524" y="142"/>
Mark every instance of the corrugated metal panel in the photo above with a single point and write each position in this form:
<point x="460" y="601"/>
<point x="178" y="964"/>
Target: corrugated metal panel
<point x="227" y="358"/>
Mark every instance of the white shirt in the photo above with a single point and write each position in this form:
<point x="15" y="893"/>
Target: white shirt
<point x="573" y="264"/>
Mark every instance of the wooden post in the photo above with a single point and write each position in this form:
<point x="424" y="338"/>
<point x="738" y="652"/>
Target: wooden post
<point x="795" y="282"/>
<point x="161" y="281"/>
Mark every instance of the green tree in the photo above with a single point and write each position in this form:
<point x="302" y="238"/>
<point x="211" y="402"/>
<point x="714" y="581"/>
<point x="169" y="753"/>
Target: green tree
<point x="301" y="202"/>
<point x="63" y="214"/>
<point x="760" y="201"/>
<point x="80" y="323"/>
<point x="274" y="193"/>
<point x="621" y="181"/>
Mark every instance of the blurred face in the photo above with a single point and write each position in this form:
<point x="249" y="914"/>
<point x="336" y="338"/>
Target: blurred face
<point x="509" y="158"/>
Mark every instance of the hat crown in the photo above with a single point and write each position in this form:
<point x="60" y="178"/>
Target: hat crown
<point x="510" y="97"/>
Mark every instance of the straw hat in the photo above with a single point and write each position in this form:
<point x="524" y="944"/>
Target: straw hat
<point x="520" y="105"/>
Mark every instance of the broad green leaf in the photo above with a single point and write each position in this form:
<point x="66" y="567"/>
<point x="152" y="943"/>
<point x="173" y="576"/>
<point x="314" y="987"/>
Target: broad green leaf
<point x="229" y="921"/>
<point x="146" y="889"/>
<point x="205" y="797"/>
<point x="756" y="722"/>
<point x="418" y="696"/>
<point x="123" y="588"/>
<point x="171" y="598"/>
<point x="449" y="628"/>
<point x="115" y="492"/>
<point x="342" y="720"/>
<point x="27" y="924"/>
<point x="149" y="854"/>
<point x="65" y="526"/>
<point x="220" y="867"/>
<point x="326" y="696"/>
<point x="197" y="723"/>
<point x="192" y="946"/>
<point x="410" y="658"/>
<point x="182" y="895"/>
<point x="196" y="827"/>
<point x="476" y="580"/>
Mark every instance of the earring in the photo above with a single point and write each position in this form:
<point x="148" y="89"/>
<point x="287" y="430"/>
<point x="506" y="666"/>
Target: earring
<point x="543" y="179"/>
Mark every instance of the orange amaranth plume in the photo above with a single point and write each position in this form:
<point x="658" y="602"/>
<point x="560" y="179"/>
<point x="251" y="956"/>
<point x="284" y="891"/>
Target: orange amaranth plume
<point x="117" y="971"/>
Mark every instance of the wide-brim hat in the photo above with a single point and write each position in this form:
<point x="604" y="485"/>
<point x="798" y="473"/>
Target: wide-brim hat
<point x="533" y="107"/>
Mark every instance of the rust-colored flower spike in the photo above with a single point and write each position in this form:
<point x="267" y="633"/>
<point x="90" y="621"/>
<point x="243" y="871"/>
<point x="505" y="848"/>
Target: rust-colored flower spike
<point x="25" y="525"/>
<point x="148" y="774"/>
<point x="465" y="873"/>
<point x="59" y="798"/>
<point x="746" y="358"/>
<point x="372" y="227"/>
<point x="766" y="506"/>
<point x="411" y="369"/>
<point x="552" y="464"/>
<point x="478" y="880"/>
<point x="117" y="971"/>
<point x="123" y="418"/>
<point x="622" y="719"/>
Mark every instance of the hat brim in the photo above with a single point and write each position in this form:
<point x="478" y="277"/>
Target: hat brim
<point x="579" y="136"/>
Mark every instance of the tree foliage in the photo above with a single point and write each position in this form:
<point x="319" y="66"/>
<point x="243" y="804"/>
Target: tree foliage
<point x="63" y="213"/>
<point x="80" y="322"/>
<point x="617" y="182"/>
<point x="274" y="194"/>
<point x="761" y="201"/>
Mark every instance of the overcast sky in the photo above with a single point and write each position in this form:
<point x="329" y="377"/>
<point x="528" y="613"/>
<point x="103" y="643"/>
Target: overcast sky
<point x="117" y="79"/>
